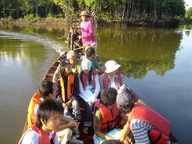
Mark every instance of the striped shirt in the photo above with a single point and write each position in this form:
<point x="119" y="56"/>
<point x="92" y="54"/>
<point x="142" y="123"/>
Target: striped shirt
<point x="140" y="130"/>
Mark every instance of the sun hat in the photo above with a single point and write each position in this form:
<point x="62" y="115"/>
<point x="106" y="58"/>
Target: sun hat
<point x="70" y="54"/>
<point x="84" y="13"/>
<point x="124" y="101"/>
<point x="111" y="66"/>
<point x="86" y="64"/>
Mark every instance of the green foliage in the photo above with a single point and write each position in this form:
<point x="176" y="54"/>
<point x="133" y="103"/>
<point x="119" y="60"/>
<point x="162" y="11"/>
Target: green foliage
<point x="121" y="10"/>
<point x="188" y="13"/>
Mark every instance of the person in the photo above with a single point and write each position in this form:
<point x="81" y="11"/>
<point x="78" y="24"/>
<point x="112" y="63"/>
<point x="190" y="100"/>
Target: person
<point x="89" y="90"/>
<point x="87" y="30"/>
<point x="107" y="117"/>
<point x="91" y="55"/>
<point x="112" y="77"/>
<point x="45" y="90"/>
<point x="68" y="90"/>
<point x="48" y="119"/>
<point x="71" y="58"/>
<point x="145" y="123"/>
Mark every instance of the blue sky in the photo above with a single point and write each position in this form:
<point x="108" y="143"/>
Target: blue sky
<point x="189" y="3"/>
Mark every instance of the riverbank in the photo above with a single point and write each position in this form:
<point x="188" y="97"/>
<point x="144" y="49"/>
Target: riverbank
<point x="60" y="22"/>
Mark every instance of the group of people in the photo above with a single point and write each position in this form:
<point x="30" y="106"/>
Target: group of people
<point x="54" y="112"/>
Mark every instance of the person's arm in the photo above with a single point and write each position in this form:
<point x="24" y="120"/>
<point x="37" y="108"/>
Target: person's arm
<point x="90" y="31"/>
<point x="125" y="132"/>
<point x="104" y="136"/>
<point x="70" y="124"/>
<point x="97" y="86"/>
<point x="76" y="87"/>
<point x="81" y="89"/>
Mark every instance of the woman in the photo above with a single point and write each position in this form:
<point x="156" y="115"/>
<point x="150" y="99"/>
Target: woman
<point x="87" y="30"/>
<point x="89" y="89"/>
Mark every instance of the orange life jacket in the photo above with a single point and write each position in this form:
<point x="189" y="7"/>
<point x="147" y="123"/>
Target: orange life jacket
<point x="84" y="79"/>
<point x="31" y="116"/>
<point x="106" y="79"/>
<point x="150" y="116"/>
<point x="44" y="137"/>
<point x="109" y="120"/>
<point x="70" y="87"/>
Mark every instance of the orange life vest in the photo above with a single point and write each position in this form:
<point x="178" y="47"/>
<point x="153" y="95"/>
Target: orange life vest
<point x="106" y="79"/>
<point x="84" y="79"/>
<point x="44" y="137"/>
<point x="31" y="116"/>
<point x="109" y="120"/>
<point x="70" y="87"/>
<point x="150" y="116"/>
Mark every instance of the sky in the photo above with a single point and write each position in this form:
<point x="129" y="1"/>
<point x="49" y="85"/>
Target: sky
<point x="189" y="3"/>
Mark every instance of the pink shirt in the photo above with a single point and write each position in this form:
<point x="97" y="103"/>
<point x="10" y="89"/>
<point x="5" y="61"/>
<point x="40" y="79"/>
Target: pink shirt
<point x="87" y="32"/>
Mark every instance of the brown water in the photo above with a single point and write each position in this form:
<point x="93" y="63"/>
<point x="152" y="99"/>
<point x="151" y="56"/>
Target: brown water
<point x="158" y="63"/>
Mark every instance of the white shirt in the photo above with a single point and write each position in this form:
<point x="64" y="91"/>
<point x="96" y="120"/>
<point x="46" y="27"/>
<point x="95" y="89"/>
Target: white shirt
<point x="32" y="137"/>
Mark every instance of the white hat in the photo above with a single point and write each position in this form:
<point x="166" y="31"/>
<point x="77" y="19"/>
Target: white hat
<point x="70" y="54"/>
<point x="111" y="66"/>
<point x="86" y="64"/>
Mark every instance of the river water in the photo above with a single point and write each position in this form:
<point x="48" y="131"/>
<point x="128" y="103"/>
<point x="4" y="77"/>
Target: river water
<point x="158" y="63"/>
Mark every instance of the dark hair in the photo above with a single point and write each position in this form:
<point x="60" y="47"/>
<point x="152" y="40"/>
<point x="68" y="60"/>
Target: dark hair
<point x="108" y="96"/>
<point x="90" y="51"/>
<point x="112" y="142"/>
<point x="46" y="109"/>
<point x="45" y="88"/>
<point x="89" y="76"/>
<point x="63" y="65"/>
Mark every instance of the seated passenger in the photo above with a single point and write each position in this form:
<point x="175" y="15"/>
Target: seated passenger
<point x="89" y="89"/>
<point x="48" y="119"/>
<point x="46" y="90"/>
<point x="106" y="118"/>
<point x="68" y="90"/>
<point x="72" y="59"/>
<point x="112" y="76"/>
<point x="144" y="122"/>
<point x="91" y="55"/>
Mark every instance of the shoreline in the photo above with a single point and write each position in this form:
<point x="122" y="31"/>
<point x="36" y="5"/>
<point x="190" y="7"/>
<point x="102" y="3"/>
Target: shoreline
<point x="61" y="22"/>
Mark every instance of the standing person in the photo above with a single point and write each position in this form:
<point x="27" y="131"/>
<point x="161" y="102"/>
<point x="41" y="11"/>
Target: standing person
<point x="87" y="30"/>
<point x="48" y="119"/>
<point x="112" y="77"/>
<point x="107" y="117"/>
<point x="145" y="123"/>
<point x="89" y="90"/>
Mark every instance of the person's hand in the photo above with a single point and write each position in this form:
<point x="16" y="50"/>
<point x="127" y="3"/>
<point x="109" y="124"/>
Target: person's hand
<point x="80" y="37"/>
<point x="73" y="124"/>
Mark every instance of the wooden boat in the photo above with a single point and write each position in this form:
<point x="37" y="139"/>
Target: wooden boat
<point x="88" y="139"/>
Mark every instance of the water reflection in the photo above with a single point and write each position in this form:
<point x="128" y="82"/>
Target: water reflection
<point x="140" y="51"/>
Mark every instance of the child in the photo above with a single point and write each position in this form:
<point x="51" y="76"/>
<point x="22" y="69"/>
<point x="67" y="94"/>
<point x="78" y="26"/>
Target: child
<point x="48" y="119"/>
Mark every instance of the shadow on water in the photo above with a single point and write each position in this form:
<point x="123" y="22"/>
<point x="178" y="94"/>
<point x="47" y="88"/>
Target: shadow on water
<point x="140" y="51"/>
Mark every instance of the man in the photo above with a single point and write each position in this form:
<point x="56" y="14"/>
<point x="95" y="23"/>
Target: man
<point x="146" y="124"/>
<point x="46" y="91"/>
<point x="112" y="76"/>
<point x="106" y="118"/>
<point x="71" y="58"/>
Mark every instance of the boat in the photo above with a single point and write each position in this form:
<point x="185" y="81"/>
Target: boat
<point x="87" y="139"/>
